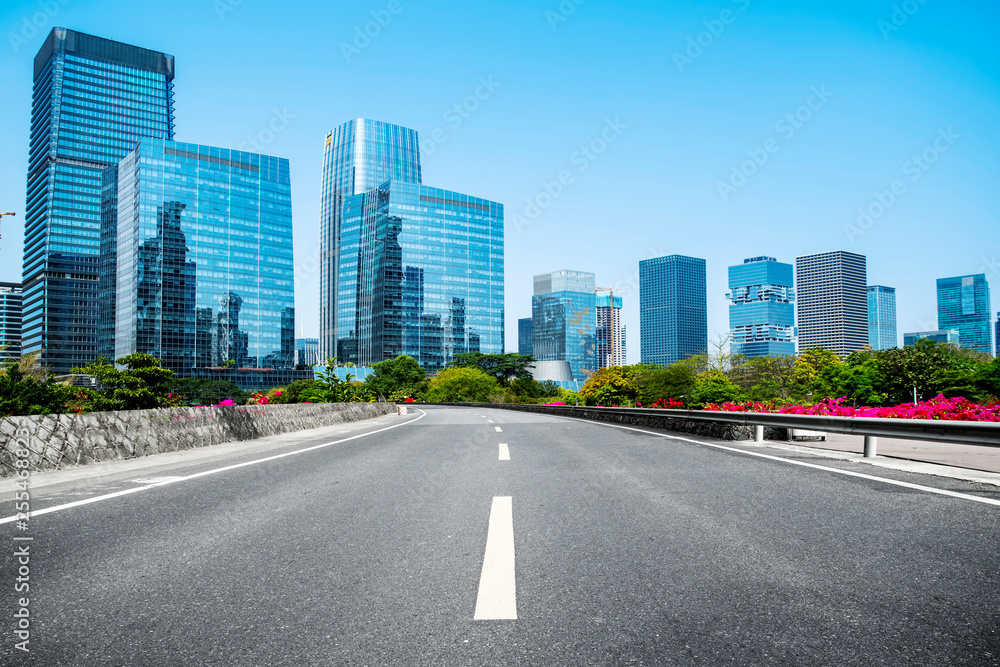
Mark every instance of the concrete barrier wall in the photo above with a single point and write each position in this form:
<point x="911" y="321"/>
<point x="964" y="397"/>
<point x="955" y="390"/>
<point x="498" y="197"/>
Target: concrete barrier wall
<point x="62" y="441"/>
<point x="706" y="429"/>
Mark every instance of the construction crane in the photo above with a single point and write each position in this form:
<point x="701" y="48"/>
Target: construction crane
<point x="1" y="218"/>
<point x="614" y="323"/>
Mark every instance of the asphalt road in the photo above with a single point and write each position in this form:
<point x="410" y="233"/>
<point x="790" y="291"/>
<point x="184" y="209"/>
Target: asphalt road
<point x="628" y="548"/>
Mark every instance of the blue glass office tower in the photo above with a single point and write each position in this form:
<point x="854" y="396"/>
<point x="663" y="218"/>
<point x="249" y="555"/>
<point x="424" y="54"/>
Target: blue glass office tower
<point x="10" y="321"/>
<point x="762" y="312"/>
<point x="882" y="317"/>
<point x="831" y="292"/>
<point x="92" y="100"/>
<point x="673" y="309"/>
<point x="359" y="156"/>
<point x="564" y="320"/>
<point x="420" y="273"/>
<point x="964" y="303"/>
<point x="204" y="262"/>
<point x="525" y="344"/>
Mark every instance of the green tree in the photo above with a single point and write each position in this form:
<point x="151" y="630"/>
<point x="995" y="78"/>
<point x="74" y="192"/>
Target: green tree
<point x="22" y="394"/>
<point x="401" y="376"/>
<point x="461" y="385"/>
<point x="674" y="381"/>
<point x="712" y="386"/>
<point x="143" y="384"/>
<point x="987" y="378"/>
<point x="611" y="386"/>
<point x="205" y="391"/>
<point x="765" y="378"/>
<point x="503" y="367"/>
<point x="329" y="388"/>
<point x="294" y="392"/>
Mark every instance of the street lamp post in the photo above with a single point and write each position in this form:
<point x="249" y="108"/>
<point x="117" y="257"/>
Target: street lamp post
<point x="1" y="218"/>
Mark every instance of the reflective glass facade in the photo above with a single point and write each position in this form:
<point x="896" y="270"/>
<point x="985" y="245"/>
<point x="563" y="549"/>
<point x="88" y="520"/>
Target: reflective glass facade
<point x="10" y="321"/>
<point x="419" y="272"/>
<point x="964" y="303"/>
<point x="204" y="262"/>
<point x="831" y="291"/>
<point x="951" y="337"/>
<point x="359" y="156"/>
<point x="882" y="317"/>
<point x="610" y="334"/>
<point x="564" y="320"/>
<point x="92" y="100"/>
<point x="762" y="312"/>
<point x="525" y="344"/>
<point x="673" y="309"/>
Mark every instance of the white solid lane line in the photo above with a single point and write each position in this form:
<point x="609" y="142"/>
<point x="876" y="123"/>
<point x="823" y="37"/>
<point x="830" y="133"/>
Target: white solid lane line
<point x="504" y="452"/>
<point x="499" y="430"/>
<point x="497" y="597"/>
<point x="174" y="480"/>
<point x="489" y="421"/>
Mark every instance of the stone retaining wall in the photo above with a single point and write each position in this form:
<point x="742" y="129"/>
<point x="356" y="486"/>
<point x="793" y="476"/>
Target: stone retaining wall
<point x="62" y="441"/>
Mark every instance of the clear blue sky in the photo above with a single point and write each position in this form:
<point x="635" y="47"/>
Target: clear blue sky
<point x="887" y="89"/>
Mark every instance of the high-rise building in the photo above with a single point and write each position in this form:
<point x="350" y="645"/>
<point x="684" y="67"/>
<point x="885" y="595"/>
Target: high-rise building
<point x="996" y="338"/>
<point x="610" y="347"/>
<point x="673" y="309"/>
<point x="10" y="321"/>
<point x="524" y="336"/>
<point x="307" y="351"/>
<point x="963" y="303"/>
<point x="950" y="337"/>
<point x="762" y="312"/>
<point x="882" y="317"/>
<point x="204" y="262"/>
<point x="92" y="100"/>
<point x="564" y="320"/>
<point x="420" y="273"/>
<point x="359" y="156"/>
<point x="831" y="290"/>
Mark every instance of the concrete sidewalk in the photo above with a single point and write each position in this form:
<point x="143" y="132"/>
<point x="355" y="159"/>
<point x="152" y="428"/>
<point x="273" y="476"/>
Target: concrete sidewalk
<point x="972" y="457"/>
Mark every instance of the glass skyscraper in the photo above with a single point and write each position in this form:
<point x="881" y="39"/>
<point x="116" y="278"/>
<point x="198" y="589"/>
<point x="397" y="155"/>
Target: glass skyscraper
<point x="673" y="309"/>
<point x="610" y="347"/>
<point x="762" y="312"/>
<point x="92" y="100"/>
<point x="525" y="344"/>
<point x="10" y="321"/>
<point x="831" y="291"/>
<point x="882" y="317"/>
<point x="420" y="273"/>
<point x="963" y="303"/>
<point x="204" y="262"/>
<point x="359" y="156"/>
<point x="564" y="320"/>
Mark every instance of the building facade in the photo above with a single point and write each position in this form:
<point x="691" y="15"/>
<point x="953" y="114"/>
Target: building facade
<point x="964" y="303"/>
<point x="204" y="269"/>
<point x="307" y="351"/>
<point x="10" y="321"/>
<point x="419" y="272"/>
<point x="831" y="293"/>
<point x="673" y="309"/>
<point x="762" y="308"/>
<point x="564" y="320"/>
<point x="882" y="333"/>
<point x="610" y="335"/>
<point x="951" y="337"/>
<point x="92" y="100"/>
<point x="525" y="344"/>
<point x="359" y="156"/>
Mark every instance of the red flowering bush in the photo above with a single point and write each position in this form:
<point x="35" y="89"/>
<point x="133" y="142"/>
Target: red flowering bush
<point x="669" y="404"/>
<point x="948" y="409"/>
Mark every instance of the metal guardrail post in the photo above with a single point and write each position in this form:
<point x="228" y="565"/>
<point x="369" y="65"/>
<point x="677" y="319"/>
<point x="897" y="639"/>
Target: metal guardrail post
<point x="871" y="444"/>
<point x="758" y="433"/>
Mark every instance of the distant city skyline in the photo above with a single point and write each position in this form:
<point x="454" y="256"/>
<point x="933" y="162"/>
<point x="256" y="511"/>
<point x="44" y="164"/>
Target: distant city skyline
<point x="895" y="157"/>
